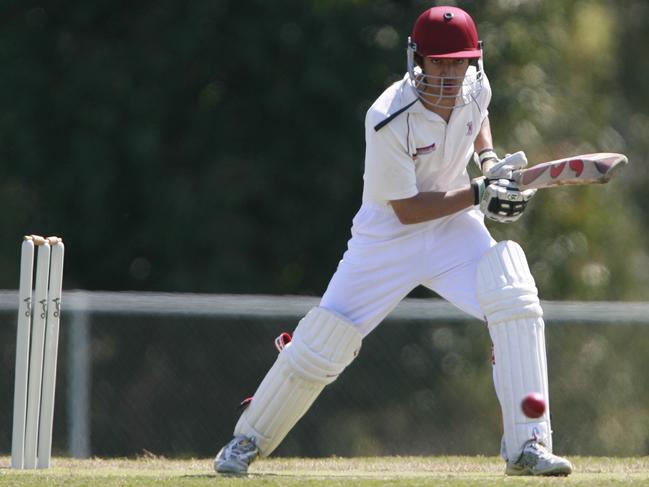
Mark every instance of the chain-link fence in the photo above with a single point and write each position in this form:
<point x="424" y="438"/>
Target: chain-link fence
<point x="164" y="374"/>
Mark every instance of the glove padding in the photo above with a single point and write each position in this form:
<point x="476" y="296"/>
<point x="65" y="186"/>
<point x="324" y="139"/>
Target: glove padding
<point x="500" y="199"/>
<point x="494" y="168"/>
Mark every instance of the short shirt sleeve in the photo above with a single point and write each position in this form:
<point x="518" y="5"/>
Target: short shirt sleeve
<point x="389" y="169"/>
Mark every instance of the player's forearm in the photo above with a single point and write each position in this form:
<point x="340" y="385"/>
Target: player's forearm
<point x="484" y="139"/>
<point x="431" y="205"/>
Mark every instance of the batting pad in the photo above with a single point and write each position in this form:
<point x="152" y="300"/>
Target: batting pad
<point x="323" y="344"/>
<point x="508" y="296"/>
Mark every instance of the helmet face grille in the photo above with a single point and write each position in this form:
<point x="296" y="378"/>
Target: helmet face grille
<point x="430" y="89"/>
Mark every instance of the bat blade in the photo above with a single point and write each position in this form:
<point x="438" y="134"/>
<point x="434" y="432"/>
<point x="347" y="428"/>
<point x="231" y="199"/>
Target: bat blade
<point x="594" y="168"/>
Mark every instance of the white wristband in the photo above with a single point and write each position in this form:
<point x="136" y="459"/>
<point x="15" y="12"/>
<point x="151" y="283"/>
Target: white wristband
<point x="485" y="156"/>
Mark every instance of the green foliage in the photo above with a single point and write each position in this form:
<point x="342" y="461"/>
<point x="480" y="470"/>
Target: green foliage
<point x="218" y="146"/>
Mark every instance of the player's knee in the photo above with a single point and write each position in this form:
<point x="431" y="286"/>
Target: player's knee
<point x="505" y="286"/>
<point x="324" y="344"/>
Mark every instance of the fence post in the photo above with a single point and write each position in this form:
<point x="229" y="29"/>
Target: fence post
<point x="79" y="373"/>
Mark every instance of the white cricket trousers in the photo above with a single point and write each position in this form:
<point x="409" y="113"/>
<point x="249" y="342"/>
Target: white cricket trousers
<point x="385" y="260"/>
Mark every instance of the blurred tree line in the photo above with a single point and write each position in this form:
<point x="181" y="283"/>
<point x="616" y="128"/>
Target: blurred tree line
<point x="217" y="146"/>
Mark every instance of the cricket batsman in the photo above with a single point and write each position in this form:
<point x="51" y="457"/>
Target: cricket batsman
<point x="421" y="222"/>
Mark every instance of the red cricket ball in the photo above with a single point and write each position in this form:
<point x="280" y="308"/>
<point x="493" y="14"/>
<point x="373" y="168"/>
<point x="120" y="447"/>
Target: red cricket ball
<point x="533" y="405"/>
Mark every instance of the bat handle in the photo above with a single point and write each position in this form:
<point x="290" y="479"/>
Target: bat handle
<point x="517" y="177"/>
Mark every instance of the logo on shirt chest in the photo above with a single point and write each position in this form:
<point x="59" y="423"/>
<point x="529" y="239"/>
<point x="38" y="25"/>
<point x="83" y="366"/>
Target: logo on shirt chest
<point x="469" y="128"/>
<point x="425" y="150"/>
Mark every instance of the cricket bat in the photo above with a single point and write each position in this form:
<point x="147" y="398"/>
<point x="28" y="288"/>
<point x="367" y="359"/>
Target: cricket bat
<point x="595" y="168"/>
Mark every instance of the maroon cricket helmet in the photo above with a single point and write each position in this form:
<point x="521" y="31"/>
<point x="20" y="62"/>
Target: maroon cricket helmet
<point x="446" y="32"/>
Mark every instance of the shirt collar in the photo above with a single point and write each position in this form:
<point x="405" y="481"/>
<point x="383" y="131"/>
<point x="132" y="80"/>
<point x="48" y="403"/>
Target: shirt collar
<point x="407" y="95"/>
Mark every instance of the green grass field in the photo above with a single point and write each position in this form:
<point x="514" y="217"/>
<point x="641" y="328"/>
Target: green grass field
<point x="402" y="471"/>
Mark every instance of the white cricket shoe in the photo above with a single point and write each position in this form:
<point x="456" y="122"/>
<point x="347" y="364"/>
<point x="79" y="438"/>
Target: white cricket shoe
<point x="236" y="456"/>
<point x="536" y="459"/>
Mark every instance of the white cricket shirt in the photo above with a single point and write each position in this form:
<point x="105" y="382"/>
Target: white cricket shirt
<point x="418" y="151"/>
<point x="385" y="259"/>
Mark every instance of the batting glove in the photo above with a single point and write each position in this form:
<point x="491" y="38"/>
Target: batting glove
<point x="500" y="199"/>
<point x="495" y="168"/>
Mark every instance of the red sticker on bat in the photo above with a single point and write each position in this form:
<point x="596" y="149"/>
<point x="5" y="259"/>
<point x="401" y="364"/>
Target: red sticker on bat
<point x="533" y="173"/>
<point x="555" y="171"/>
<point x="577" y="165"/>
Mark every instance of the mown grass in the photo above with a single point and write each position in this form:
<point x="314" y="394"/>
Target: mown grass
<point x="366" y="472"/>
